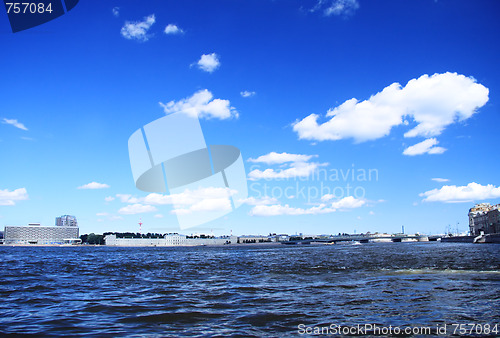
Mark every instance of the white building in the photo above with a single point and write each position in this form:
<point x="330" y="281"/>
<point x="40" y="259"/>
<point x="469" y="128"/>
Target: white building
<point x="66" y="221"/>
<point x="34" y="233"/>
<point x="169" y="240"/>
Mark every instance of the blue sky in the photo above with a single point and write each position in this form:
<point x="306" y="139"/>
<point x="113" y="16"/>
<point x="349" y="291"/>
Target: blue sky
<point x="282" y="74"/>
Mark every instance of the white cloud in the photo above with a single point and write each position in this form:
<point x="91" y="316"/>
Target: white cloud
<point x="10" y="197"/>
<point x="109" y="199"/>
<point x="189" y="197"/>
<point x="203" y="105"/>
<point x="173" y="29"/>
<point x="327" y="197"/>
<point x="94" y="185"/>
<point x="296" y="165"/>
<point x="453" y="194"/>
<point x="209" y="62"/>
<point x="348" y="202"/>
<point x="341" y="7"/>
<point x="425" y="147"/>
<point x="138" y="30"/>
<point x="116" y="11"/>
<point x="102" y="214"/>
<point x="15" y="123"/>
<point x="199" y="200"/>
<point x="277" y="158"/>
<point x="441" y="180"/>
<point x="336" y="7"/>
<point x="278" y="209"/>
<point x="137" y="208"/>
<point x="371" y="213"/>
<point x="158" y="216"/>
<point x="266" y="200"/>
<point x="189" y="201"/>
<point x="247" y="93"/>
<point x="297" y="169"/>
<point x="433" y="102"/>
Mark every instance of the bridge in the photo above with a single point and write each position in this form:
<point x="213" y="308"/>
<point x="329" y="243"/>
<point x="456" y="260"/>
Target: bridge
<point x="362" y="238"/>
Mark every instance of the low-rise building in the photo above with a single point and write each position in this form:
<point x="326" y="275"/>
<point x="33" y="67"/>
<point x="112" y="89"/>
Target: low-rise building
<point x="172" y="239"/>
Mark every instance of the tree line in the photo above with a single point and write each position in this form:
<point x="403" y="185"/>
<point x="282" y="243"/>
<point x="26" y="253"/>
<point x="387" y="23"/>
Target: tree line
<point x="96" y="239"/>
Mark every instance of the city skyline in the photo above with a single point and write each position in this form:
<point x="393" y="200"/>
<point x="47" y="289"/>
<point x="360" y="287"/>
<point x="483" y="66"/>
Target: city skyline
<point x="350" y="115"/>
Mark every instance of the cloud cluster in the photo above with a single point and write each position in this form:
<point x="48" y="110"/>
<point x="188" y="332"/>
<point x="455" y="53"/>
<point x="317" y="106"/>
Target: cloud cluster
<point x="138" y="30"/>
<point x="94" y="185"/>
<point x="172" y="29"/>
<point x="431" y="102"/>
<point x="280" y="210"/>
<point x="278" y="158"/>
<point x="15" y="123"/>
<point x="345" y="203"/>
<point x="425" y="147"/>
<point x="116" y="11"/>
<point x="209" y="62"/>
<point x="455" y="194"/>
<point x="203" y="105"/>
<point x="10" y="197"/>
<point x="296" y="165"/>
<point x="187" y="202"/>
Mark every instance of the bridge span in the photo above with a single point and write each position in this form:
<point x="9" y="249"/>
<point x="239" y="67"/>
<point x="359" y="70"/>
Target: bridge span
<point x="365" y="239"/>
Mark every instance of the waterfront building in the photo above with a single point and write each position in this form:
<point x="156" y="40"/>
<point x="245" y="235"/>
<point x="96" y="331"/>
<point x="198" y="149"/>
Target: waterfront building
<point x="66" y="221"/>
<point x="281" y="237"/>
<point x="34" y="233"/>
<point x="484" y="218"/>
<point x="172" y="239"/>
<point x="493" y="220"/>
<point x="254" y="239"/>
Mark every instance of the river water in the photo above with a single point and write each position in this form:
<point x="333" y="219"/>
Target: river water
<point x="270" y="291"/>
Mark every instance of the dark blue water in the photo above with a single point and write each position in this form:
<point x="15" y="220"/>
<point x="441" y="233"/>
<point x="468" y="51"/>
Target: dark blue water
<point x="245" y="290"/>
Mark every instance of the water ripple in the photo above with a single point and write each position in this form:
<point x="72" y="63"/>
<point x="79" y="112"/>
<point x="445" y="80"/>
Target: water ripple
<point x="244" y="291"/>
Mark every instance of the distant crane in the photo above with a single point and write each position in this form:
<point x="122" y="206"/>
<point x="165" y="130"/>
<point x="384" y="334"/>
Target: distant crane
<point x="140" y="225"/>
